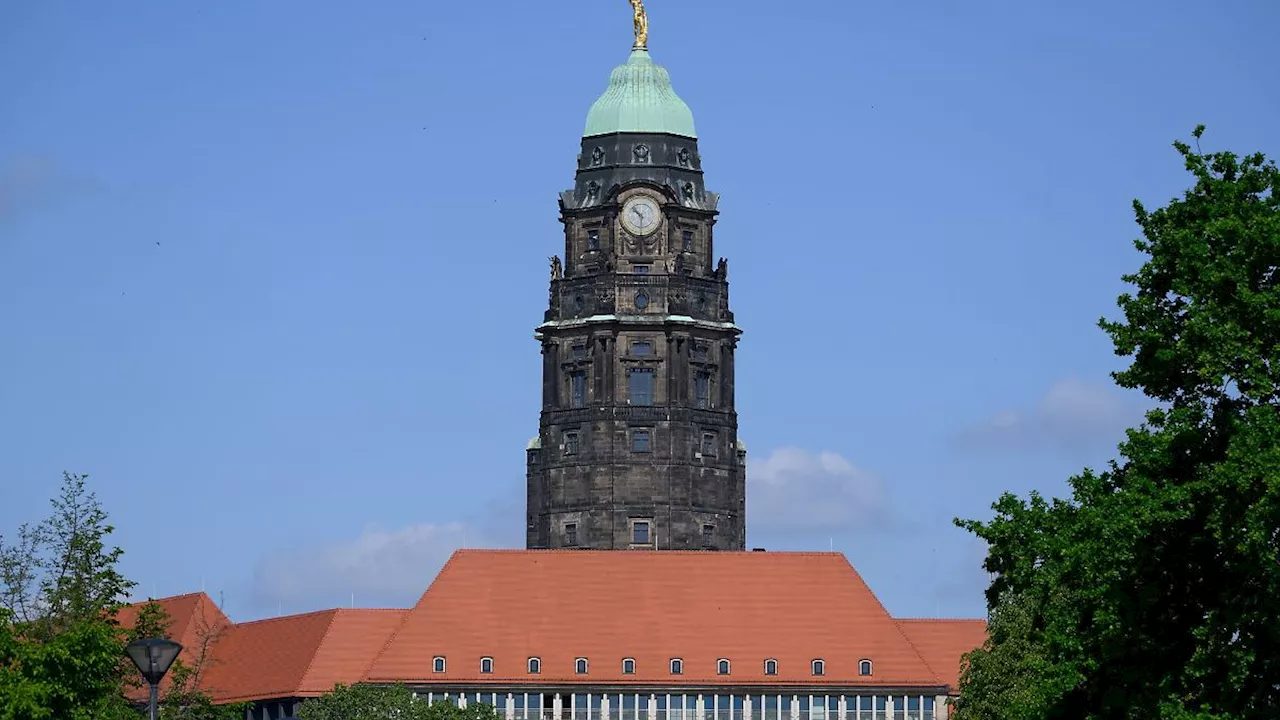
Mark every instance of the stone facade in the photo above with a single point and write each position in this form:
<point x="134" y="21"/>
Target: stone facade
<point x="637" y="445"/>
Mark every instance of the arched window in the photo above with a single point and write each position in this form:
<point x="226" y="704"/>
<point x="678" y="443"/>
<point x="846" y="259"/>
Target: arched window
<point x="580" y="666"/>
<point x="437" y="664"/>
<point x="770" y="667"/>
<point x="486" y="665"/>
<point x="819" y="667"/>
<point x="864" y="667"/>
<point x="677" y="666"/>
<point x="722" y="666"/>
<point x="535" y="666"/>
<point x="628" y="666"/>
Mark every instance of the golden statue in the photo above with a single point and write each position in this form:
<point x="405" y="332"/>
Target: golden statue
<point x="641" y="23"/>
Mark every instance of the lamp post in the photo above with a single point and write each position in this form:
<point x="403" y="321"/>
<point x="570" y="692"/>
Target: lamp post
<point x="153" y="657"/>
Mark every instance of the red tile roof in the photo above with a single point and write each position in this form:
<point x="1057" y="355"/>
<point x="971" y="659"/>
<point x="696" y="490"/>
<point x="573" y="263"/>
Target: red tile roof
<point x="511" y="605"/>
<point x="191" y="616"/>
<point x="943" y="643"/>
<point x="651" y="606"/>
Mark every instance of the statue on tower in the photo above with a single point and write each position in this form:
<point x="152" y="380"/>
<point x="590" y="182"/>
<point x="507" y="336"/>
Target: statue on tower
<point x="641" y="23"/>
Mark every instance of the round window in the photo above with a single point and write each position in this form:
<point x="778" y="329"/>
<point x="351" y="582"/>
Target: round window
<point x="642" y="301"/>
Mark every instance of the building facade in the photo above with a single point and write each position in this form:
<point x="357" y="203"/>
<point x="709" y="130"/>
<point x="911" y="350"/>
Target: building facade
<point x="637" y="444"/>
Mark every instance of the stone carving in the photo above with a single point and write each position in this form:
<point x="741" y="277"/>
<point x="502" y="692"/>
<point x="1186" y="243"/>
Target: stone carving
<point x="640" y="153"/>
<point x="686" y="191"/>
<point x="593" y="192"/>
<point x="683" y="157"/>
<point x="722" y="269"/>
<point x="597" y="157"/>
<point x="557" y="270"/>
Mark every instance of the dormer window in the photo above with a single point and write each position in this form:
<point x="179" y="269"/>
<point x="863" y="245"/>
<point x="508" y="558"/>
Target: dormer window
<point x="677" y="666"/>
<point x="771" y="667"/>
<point x="819" y="667"/>
<point x="722" y="666"/>
<point x="437" y="664"/>
<point x="628" y="666"/>
<point x="535" y="666"/>
<point x="486" y="665"/>
<point x="580" y="666"/>
<point x="593" y="239"/>
<point x="864" y="667"/>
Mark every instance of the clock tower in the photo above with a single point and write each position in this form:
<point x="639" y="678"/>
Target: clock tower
<point x="637" y="444"/>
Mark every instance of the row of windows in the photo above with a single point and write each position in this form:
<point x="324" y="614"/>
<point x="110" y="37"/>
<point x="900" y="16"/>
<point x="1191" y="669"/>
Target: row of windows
<point x="641" y="534"/>
<point x="640" y="382"/>
<point x="817" y="666"/>
<point x="716" y="706"/>
<point x="642" y="442"/>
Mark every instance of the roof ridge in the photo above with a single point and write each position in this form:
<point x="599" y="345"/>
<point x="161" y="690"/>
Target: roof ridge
<point x="302" y="678"/>
<point x="285" y="617"/>
<point x="409" y="612"/>
<point x="942" y="620"/>
<point x="897" y="626"/>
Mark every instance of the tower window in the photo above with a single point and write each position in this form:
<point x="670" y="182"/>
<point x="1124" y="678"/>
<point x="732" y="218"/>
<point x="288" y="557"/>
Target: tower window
<point x="819" y="667"/>
<point x="571" y="534"/>
<point x="641" y="532"/>
<point x="686" y="240"/>
<point x="593" y="239"/>
<point x="580" y="666"/>
<point x="642" y="348"/>
<point x="708" y="444"/>
<point x="486" y="665"/>
<point x="628" y="666"/>
<point x="642" y="301"/>
<point x="437" y="664"/>
<point x="640" y="441"/>
<point x="571" y="443"/>
<point x="702" y="390"/>
<point x="579" y="352"/>
<point x="677" y="666"/>
<point x="722" y="666"/>
<point x="708" y="535"/>
<point x="864" y="667"/>
<point x="535" y="666"/>
<point x="700" y="351"/>
<point x="577" y="389"/>
<point x="641" y="269"/>
<point x="771" y="667"/>
<point x="640" y="386"/>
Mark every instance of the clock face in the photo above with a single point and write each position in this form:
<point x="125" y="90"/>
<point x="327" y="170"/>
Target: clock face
<point x="641" y="215"/>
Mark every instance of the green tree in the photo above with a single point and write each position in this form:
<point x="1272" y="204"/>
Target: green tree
<point x="1153" y="591"/>
<point x="378" y="702"/>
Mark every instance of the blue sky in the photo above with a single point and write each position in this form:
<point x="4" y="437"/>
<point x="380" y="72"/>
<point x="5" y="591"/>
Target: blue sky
<point x="269" y="271"/>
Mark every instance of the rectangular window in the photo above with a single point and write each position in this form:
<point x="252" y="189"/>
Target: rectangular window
<point x="571" y="443"/>
<point x="641" y="269"/>
<point x="579" y="352"/>
<point x="640" y="386"/>
<point x="577" y="389"/>
<point x="593" y="239"/>
<point x="702" y="390"/>
<point x="571" y="534"/>
<point x="686" y="239"/>
<point x="640" y="533"/>
<point x="700" y="351"/>
<point x="642" y="348"/>
<point x="708" y="444"/>
<point x="639" y="441"/>
<point x="708" y="535"/>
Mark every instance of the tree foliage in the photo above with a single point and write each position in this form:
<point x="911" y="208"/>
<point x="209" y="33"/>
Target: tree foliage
<point x="377" y="702"/>
<point x="1153" y="591"/>
<point x="62" y="652"/>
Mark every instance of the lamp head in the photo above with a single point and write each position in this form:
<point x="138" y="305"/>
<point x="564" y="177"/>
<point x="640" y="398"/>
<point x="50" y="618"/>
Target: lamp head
<point x="153" y="657"/>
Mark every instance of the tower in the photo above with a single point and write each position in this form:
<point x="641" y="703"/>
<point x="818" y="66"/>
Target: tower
<point x="637" y="442"/>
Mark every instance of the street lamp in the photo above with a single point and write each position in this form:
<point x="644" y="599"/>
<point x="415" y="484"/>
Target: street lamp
<point x="153" y="657"/>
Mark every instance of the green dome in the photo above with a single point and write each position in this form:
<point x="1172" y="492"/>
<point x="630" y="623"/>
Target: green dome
<point x="640" y="99"/>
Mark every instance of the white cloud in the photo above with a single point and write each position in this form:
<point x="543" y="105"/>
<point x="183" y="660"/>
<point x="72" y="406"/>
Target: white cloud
<point x="1072" y="413"/>
<point x="798" y="490"/>
<point x="382" y="567"/>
